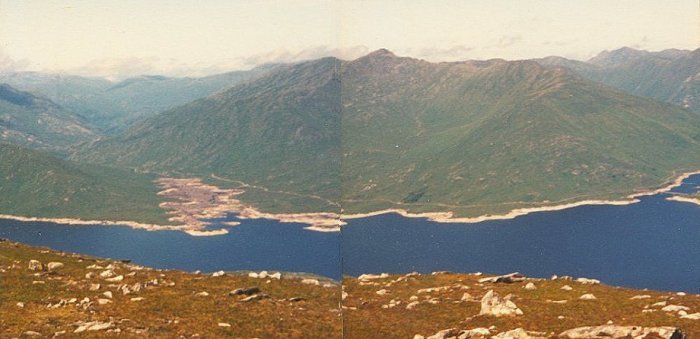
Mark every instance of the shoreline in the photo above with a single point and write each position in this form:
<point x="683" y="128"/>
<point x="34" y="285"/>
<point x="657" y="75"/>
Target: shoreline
<point x="324" y="221"/>
<point x="448" y="217"/>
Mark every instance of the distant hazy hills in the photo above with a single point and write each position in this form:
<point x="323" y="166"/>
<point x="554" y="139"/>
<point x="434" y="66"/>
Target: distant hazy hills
<point x="382" y="131"/>
<point x="671" y="75"/>
<point x="37" y="122"/>
<point x="112" y="106"/>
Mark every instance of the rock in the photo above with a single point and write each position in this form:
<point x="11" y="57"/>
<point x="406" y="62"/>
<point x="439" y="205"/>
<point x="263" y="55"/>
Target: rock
<point x="506" y="278"/>
<point x="92" y="326"/>
<point x="382" y="292"/>
<point x="245" y="291"/>
<point x="107" y="294"/>
<point x="223" y="325"/>
<point x="310" y="282"/>
<point x="366" y="277"/>
<point x="103" y="301"/>
<point x="694" y="316"/>
<point x="107" y="274"/>
<point x="31" y="334"/>
<point x="448" y="333"/>
<point x="493" y="305"/>
<point x="255" y="297"/>
<point x="115" y="279"/>
<point x="20" y="304"/>
<point x="412" y="305"/>
<point x="587" y="281"/>
<point x="218" y="274"/>
<point x="567" y="288"/>
<point x="54" y="266"/>
<point x="343" y="295"/>
<point x="89" y="275"/>
<point x="35" y="265"/>
<point x="467" y="297"/>
<point x="296" y="299"/>
<point x="614" y="331"/>
<point x="675" y="308"/>
<point x="276" y="276"/>
<point x="262" y="274"/>
<point x="137" y="299"/>
<point x="638" y="297"/>
<point x="252" y="275"/>
<point x="418" y="336"/>
<point x="588" y="296"/>
<point x="202" y="294"/>
<point x="530" y="286"/>
<point x="681" y="294"/>
<point x="517" y="333"/>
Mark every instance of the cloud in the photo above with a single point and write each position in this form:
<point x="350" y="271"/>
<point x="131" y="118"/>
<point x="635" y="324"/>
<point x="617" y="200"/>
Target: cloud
<point x="8" y="64"/>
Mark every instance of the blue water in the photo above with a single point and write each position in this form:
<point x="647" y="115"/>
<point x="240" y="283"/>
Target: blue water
<point x="254" y="245"/>
<point x="651" y="244"/>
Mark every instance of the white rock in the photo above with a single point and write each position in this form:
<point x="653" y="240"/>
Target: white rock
<point x="115" y="279"/>
<point x="343" y="295"/>
<point x="92" y="326"/>
<point x="638" y="297"/>
<point x="202" y="294"/>
<point x="310" y="282"/>
<point x="492" y="304"/>
<point x="588" y="296"/>
<point x="20" y="304"/>
<point x="530" y="286"/>
<point x="412" y="305"/>
<point x="466" y="297"/>
<point x="35" y="265"/>
<point x="252" y="275"/>
<point x="382" y="292"/>
<point x="54" y="266"/>
<point x="693" y="316"/>
<point x="614" y="331"/>
<point x="107" y="274"/>
<point x="567" y="288"/>
<point x="137" y="299"/>
<point x="223" y="325"/>
<point x="373" y="276"/>
<point x="103" y="301"/>
<point x="276" y="275"/>
<point x="588" y="281"/>
<point x="107" y="294"/>
<point x="218" y="274"/>
<point x="675" y="308"/>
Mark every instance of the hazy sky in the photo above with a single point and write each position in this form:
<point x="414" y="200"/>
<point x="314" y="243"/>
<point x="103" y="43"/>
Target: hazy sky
<point x="122" y="37"/>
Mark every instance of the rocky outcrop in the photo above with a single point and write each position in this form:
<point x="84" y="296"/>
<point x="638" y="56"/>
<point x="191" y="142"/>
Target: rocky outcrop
<point x="492" y="304"/>
<point x="614" y="331"/>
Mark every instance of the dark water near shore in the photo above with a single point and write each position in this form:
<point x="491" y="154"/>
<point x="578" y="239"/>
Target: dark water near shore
<point x="254" y="245"/>
<point x="652" y="244"/>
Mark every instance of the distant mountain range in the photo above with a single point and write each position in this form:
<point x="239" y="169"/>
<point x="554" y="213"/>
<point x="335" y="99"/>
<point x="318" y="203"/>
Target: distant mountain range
<point x="671" y="75"/>
<point x="37" y="122"/>
<point x="110" y="106"/>
<point x="382" y="131"/>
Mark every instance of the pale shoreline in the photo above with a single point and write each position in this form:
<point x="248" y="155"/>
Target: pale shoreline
<point x="333" y="222"/>
<point x="447" y="217"/>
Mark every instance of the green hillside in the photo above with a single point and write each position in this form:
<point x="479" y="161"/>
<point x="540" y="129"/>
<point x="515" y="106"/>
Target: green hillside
<point x="280" y="132"/>
<point x="33" y="121"/>
<point x="470" y="137"/>
<point x="35" y="184"/>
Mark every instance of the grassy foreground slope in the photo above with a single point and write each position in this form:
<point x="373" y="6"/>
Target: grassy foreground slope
<point x="452" y="301"/>
<point x="36" y="184"/>
<point x="489" y="136"/>
<point x="159" y="304"/>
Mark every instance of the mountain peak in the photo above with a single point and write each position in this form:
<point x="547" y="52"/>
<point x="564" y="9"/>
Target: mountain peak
<point x="381" y="53"/>
<point x="614" y="57"/>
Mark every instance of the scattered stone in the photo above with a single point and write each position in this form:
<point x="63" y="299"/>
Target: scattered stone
<point x="254" y="297"/>
<point x="382" y="292"/>
<point x="518" y="333"/>
<point x="202" y="294"/>
<point x="245" y="291"/>
<point x="675" y="308"/>
<point x="467" y="297"/>
<point x="448" y="333"/>
<point x="373" y="276"/>
<point x="107" y="274"/>
<point x="90" y="275"/>
<point x="587" y="281"/>
<point x="218" y="274"/>
<point x="108" y="294"/>
<point x="223" y="325"/>
<point x="276" y="276"/>
<point x="412" y="305"/>
<point x="115" y="279"/>
<point x="92" y="326"/>
<point x="694" y="316"/>
<point x="588" y="296"/>
<point x="614" y="331"/>
<point x="137" y="299"/>
<point x="35" y="265"/>
<point x="20" y="304"/>
<point x="343" y="295"/>
<point x="494" y="305"/>
<point x="638" y="297"/>
<point x="31" y="334"/>
<point x="530" y="286"/>
<point x="567" y="288"/>
<point x="103" y="301"/>
<point x="38" y="282"/>
<point x="506" y="278"/>
<point x="54" y="266"/>
<point x="296" y="299"/>
<point x="310" y="282"/>
<point x="252" y="275"/>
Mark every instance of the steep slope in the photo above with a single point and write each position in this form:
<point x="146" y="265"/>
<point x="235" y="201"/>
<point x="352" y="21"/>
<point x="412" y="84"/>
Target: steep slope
<point x="35" y="184"/>
<point x="114" y="106"/>
<point x="280" y="131"/>
<point x="487" y="137"/>
<point x="671" y="76"/>
<point x="30" y="120"/>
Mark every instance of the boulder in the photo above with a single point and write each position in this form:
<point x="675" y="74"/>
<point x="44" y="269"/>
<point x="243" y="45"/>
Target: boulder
<point x="614" y="331"/>
<point x="588" y="296"/>
<point x="276" y="276"/>
<point x="35" y="265"/>
<point x="310" y="282"/>
<point x="54" y="266"/>
<point x="530" y="286"/>
<point x="92" y="326"/>
<point x="218" y="274"/>
<point x="448" y="333"/>
<point x="245" y="291"/>
<point x="588" y="281"/>
<point x="518" y="333"/>
<point x="506" y="278"/>
<point x="492" y="304"/>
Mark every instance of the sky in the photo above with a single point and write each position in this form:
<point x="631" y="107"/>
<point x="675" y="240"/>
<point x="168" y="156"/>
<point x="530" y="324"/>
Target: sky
<point x="122" y="38"/>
